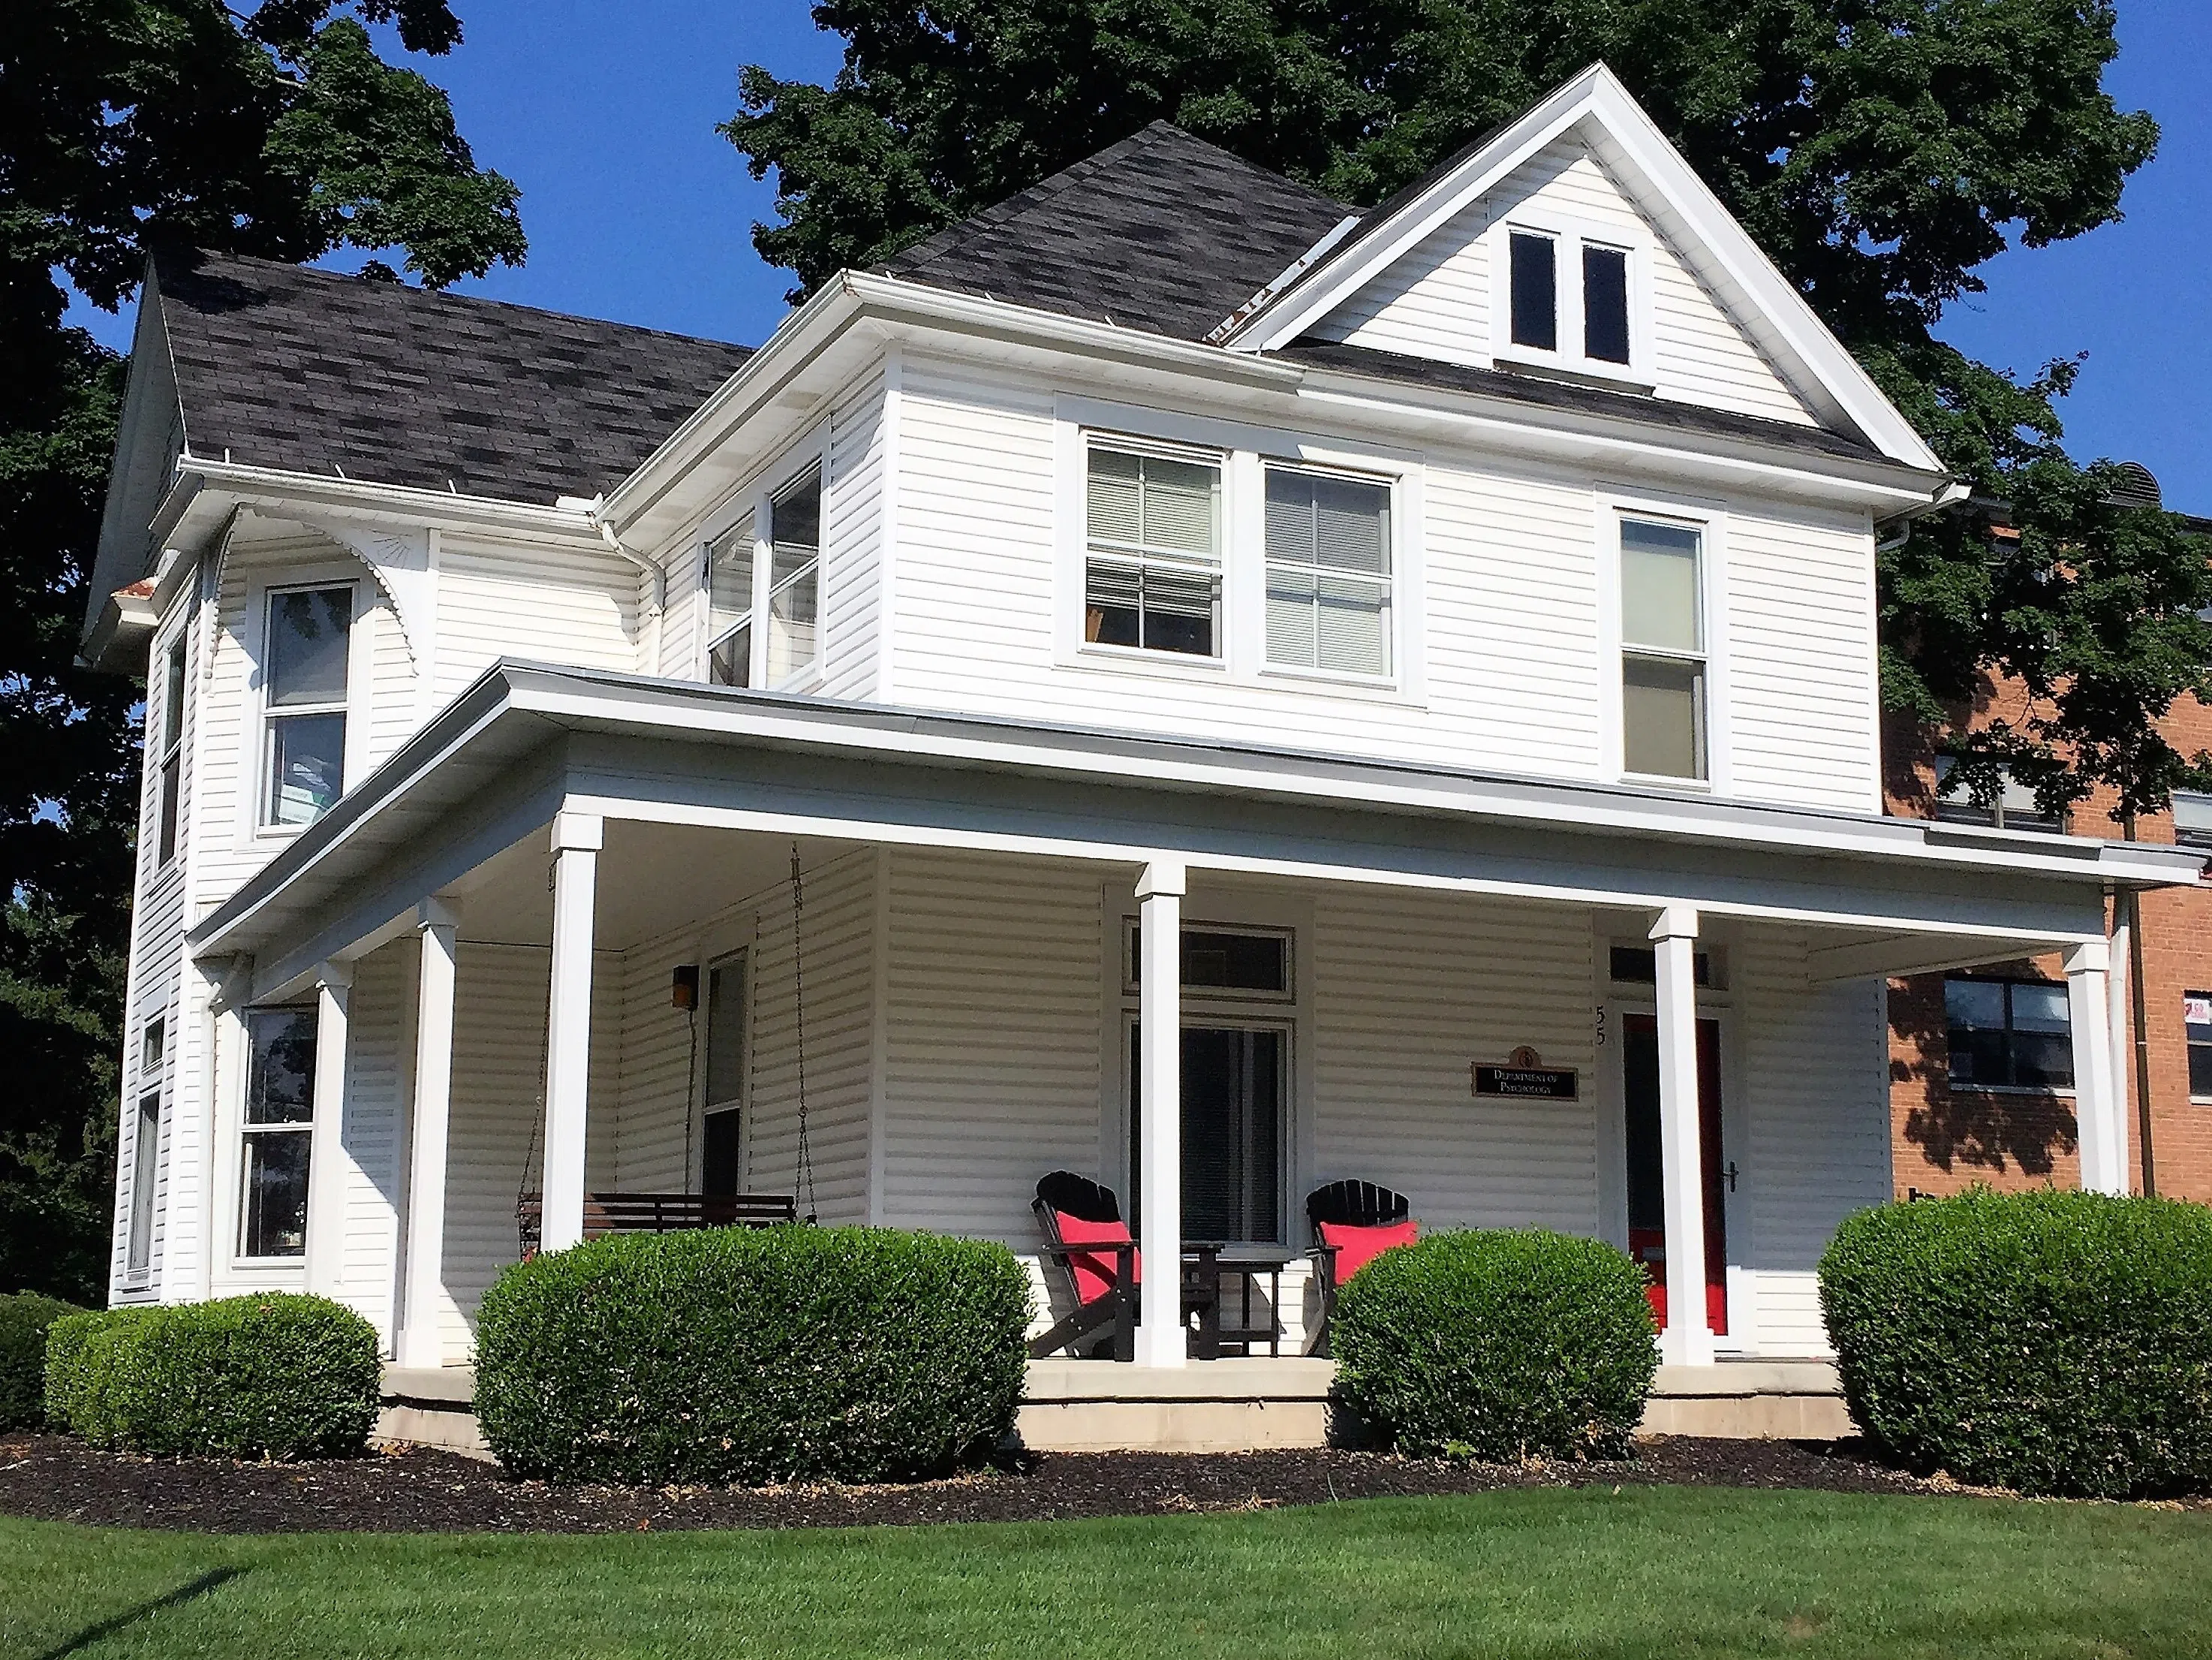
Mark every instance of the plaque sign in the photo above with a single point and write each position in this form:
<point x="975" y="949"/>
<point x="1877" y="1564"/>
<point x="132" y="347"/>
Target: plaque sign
<point x="1525" y="1077"/>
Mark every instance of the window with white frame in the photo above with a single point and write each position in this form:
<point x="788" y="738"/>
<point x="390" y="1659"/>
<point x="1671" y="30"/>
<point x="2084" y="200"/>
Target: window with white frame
<point x="171" y="747"/>
<point x="1568" y="297"/>
<point x="1328" y="571"/>
<point x="310" y="632"/>
<point x="2197" y="1027"/>
<point x="278" y="1134"/>
<point x="764" y="590"/>
<point x="1663" y="680"/>
<point x="725" y="1076"/>
<point x="1152" y="565"/>
<point x="2192" y="819"/>
<point x="146" y="1148"/>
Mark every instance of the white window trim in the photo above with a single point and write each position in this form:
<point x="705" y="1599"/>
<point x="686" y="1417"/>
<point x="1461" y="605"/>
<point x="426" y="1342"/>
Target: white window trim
<point x="178" y="641"/>
<point x="1243" y="450"/>
<point x="1709" y="518"/>
<point x="296" y="1262"/>
<point x="1570" y="235"/>
<point x="361" y="653"/>
<point x="756" y="505"/>
<point x="1229" y="491"/>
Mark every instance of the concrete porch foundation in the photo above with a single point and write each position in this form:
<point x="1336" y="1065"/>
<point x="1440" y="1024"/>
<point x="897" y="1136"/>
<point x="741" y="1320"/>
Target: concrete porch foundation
<point x="1226" y="1405"/>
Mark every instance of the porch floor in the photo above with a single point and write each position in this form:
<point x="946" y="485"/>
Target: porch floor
<point x="1231" y="1405"/>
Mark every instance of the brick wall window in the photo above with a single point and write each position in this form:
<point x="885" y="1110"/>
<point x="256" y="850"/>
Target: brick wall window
<point x="2009" y="1034"/>
<point x="2197" y="1021"/>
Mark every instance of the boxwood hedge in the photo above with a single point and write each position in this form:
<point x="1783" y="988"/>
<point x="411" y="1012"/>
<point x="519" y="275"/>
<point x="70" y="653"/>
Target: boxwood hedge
<point x="744" y="1355"/>
<point x="1499" y="1344"/>
<point x="2053" y="1342"/>
<point x="268" y="1376"/>
<point x="23" y="1323"/>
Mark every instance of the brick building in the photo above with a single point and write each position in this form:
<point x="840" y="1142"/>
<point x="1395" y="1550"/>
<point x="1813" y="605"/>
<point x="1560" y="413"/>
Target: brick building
<point x="1979" y="1068"/>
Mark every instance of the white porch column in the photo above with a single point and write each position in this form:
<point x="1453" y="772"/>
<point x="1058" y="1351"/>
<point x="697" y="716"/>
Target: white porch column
<point x="421" y="1342"/>
<point x="2098" y="1131"/>
<point x="325" y="1148"/>
<point x="1160" y="1337"/>
<point x="577" y="837"/>
<point x="1687" y="1340"/>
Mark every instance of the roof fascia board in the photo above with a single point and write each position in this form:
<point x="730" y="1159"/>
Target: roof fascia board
<point x="680" y="708"/>
<point x="1493" y="424"/>
<point x="1597" y="94"/>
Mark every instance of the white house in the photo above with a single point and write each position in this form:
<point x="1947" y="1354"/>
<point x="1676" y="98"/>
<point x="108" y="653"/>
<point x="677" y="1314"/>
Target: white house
<point x="1455" y="622"/>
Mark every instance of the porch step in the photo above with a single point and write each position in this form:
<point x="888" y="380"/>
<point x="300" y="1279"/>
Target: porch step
<point x="1225" y="1406"/>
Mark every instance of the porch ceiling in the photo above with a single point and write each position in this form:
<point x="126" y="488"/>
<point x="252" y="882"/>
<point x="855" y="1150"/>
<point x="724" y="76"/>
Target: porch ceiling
<point x="463" y="805"/>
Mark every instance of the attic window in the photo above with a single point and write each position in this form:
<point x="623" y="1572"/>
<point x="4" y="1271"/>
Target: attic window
<point x="1605" y="304"/>
<point x="1535" y="291"/>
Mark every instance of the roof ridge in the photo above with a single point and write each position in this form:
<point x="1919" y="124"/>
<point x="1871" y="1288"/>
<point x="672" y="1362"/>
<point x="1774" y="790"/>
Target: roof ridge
<point x="177" y="260"/>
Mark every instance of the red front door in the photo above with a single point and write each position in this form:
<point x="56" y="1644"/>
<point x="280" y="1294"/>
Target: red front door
<point x="1647" y="1204"/>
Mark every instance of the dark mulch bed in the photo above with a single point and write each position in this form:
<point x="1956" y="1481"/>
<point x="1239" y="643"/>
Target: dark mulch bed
<point x="58" y="1478"/>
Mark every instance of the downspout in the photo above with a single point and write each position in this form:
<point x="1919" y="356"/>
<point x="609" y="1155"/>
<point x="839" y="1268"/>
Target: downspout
<point x="652" y="568"/>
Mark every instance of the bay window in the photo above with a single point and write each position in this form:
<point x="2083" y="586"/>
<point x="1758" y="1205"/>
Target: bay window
<point x="1328" y="571"/>
<point x="278" y="1134"/>
<point x="1152" y="568"/>
<point x="763" y="581"/>
<point x="309" y="637"/>
<point x="1663" y="659"/>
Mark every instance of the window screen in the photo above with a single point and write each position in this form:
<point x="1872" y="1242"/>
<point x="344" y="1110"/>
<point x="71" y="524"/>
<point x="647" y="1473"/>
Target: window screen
<point x="1535" y="291"/>
<point x="1328" y="572"/>
<point x="1152" y="577"/>
<point x="1605" y="304"/>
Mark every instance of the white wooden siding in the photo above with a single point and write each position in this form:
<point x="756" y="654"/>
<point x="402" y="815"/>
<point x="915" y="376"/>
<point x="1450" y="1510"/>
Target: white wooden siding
<point x="380" y="1064"/>
<point x="993" y="1047"/>
<point x="851" y="608"/>
<point x="1803" y="703"/>
<point x="1434" y="301"/>
<point x="838" y="930"/>
<point x="1815" y="1075"/>
<point x="1408" y="991"/>
<point x="550" y="603"/>
<point x="653" y="1105"/>
<point x="1511" y="672"/>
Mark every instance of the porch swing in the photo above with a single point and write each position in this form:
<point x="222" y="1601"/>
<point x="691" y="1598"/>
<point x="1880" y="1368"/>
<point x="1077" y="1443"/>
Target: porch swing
<point x="670" y="1212"/>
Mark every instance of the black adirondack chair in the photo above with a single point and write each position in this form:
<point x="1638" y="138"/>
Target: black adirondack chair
<point x="1350" y="1204"/>
<point x="1100" y="1275"/>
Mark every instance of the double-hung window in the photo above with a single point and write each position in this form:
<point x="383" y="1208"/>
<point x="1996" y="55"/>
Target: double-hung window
<point x="2197" y="1026"/>
<point x="1568" y="298"/>
<point x="1663" y="657"/>
<point x="764" y="590"/>
<point x="146" y="1148"/>
<point x="304" y="680"/>
<point x="1328" y="571"/>
<point x="2011" y="1034"/>
<point x="172" y="750"/>
<point x="279" y="1132"/>
<point x="1152" y="565"/>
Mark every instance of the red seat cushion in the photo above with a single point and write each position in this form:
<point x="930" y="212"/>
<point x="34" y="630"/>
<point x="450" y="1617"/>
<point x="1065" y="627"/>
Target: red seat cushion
<point x="1357" y="1247"/>
<point x="1095" y="1272"/>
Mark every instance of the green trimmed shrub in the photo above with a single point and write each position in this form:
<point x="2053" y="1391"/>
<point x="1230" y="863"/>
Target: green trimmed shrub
<point x="273" y="1375"/>
<point x="23" y="1323"/>
<point x="753" y="1355"/>
<point x="1498" y="1344"/>
<point x="2051" y="1342"/>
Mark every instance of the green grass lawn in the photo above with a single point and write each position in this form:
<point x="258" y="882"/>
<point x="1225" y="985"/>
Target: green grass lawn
<point x="1587" y="1573"/>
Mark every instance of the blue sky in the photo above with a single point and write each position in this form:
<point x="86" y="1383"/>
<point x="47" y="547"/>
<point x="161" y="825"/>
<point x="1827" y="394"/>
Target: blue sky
<point x="603" y="111"/>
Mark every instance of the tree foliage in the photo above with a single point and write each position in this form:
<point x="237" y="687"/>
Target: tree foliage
<point x="1881" y="151"/>
<point x="126" y="125"/>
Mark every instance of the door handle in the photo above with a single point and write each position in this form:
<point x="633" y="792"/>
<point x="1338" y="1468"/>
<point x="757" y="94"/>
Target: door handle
<point x="1730" y="1173"/>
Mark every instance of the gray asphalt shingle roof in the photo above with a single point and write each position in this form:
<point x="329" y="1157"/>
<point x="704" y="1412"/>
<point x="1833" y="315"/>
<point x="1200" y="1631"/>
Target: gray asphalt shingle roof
<point x="1161" y="232"/>
<point x="281" y="366"/>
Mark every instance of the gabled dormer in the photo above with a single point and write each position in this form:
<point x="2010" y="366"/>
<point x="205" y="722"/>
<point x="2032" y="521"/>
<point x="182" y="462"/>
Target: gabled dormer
<point x="1576" y="244"/>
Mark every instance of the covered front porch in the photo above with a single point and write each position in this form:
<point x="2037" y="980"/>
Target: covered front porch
<point x="1212" y="980"/>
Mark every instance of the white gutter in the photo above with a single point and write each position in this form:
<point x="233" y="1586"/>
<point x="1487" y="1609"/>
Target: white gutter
<point x="595" y="509"/>
<point x="369" y="499"/>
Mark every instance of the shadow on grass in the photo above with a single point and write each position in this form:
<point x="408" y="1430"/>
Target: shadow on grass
<point x="106" y="1628"/>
